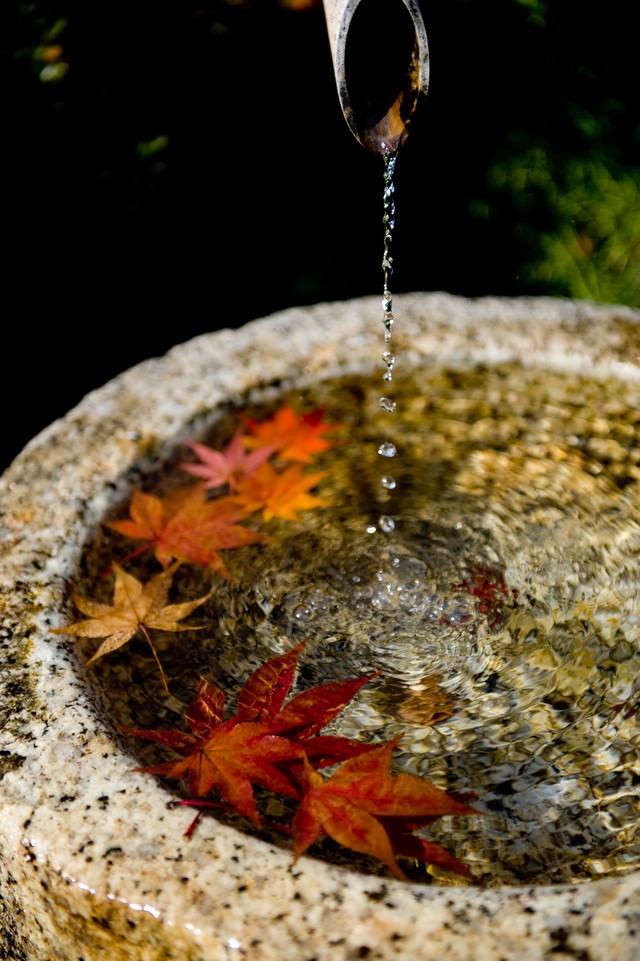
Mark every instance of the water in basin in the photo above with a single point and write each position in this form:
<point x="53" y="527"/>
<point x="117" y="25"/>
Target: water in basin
<point x="501" y="608"/>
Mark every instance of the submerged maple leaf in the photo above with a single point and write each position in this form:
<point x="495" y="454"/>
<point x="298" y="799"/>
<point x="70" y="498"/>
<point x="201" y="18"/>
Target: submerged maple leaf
<point x="279" y="494"/>
<point x="225" y="467"/>
<point x="186" y="526"/>
<point x="296" y="437"/>
<point x="137" y="606"/>
<point x="367" y="809"/>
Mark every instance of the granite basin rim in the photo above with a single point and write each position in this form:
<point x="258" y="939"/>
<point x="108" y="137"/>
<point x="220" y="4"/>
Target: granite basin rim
<point x="78" y="857"/>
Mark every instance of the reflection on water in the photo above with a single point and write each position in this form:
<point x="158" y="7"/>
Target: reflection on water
<point x="502" y="610"/>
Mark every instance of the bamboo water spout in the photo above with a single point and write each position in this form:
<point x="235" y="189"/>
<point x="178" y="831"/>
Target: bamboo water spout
<point x="381" y="62"/>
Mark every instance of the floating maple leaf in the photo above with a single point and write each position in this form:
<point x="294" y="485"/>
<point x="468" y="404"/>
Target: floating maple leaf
<point x="296" y="437"/>
<point x="264" y="693"/>
<point x="279" y="494"/>
<point x="186" y="526"/>
<point x="228" y="755"/>
<point x="362" y="806"/>
<point x="136" y="607"/>
<point x="263" y="743"/>
<point x="234" y="756"/>
<point x="367" y="809"/>
<point x="306" y="714"/>
<point x="227" y="466"/>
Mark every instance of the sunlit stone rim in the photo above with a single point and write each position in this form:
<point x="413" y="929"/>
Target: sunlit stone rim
<point x="92" y="861"/>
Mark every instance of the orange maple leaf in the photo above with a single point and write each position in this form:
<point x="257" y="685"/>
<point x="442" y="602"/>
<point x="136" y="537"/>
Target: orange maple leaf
<point x="365" y="808"/>
<point x="137" y="606"/>
<point x="295" y="437"/>
<point x="279" y="493"/>
<point x="186" y="526"/>
<point x="227" y="466"/>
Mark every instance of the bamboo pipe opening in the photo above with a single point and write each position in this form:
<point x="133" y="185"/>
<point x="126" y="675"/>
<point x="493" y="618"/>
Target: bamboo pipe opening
<point x="381" y="62"/>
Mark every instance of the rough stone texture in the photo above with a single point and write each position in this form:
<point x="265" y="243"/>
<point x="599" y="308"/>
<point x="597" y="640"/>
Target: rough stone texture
<point x="93" y="863"/>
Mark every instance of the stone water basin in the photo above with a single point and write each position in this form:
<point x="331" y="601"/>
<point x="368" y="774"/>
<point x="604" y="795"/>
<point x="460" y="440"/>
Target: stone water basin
<point x="519" y="442"/>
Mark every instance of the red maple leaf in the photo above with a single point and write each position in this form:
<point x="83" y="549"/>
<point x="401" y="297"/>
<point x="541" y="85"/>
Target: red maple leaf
<point x="186" y="526"/>
<point x="236" y="755"/>
<point x="276" y="744"/>
<point x="227" y="466"/>
<point x="260" y="742"/>
<point x="494" y="598"/>
<point x="305" y="715"/>
<point x="295" y="437"/>
<point x="367" y="809"/>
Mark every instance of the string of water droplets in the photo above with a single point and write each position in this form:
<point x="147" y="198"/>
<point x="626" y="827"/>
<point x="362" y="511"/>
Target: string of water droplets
<point x="387" y="449"/>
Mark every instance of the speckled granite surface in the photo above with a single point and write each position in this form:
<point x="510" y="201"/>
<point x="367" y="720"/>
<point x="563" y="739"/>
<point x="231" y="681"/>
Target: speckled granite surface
<point x="92" y="860"/>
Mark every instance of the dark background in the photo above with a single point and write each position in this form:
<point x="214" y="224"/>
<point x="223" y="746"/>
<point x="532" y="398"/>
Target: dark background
<point x="170" y="169"/>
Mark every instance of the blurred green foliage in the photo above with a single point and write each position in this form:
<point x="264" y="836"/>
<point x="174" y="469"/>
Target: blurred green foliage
<point x="576" y="216"/>
<point x="526" y="158"/>
<point x="592" y="248"/>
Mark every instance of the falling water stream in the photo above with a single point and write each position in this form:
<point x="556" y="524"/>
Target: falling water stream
<point x="499" y="599"/>
<point x="387" y="448"/>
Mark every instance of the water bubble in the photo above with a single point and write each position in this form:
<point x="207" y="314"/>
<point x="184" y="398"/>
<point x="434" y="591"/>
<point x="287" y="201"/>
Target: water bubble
<point x="389" y="483"/>
<point x="386" y="523"/>
<point x="387" y="449"/>
<point x="386" y="403"/>
<point x="459" y="614"/>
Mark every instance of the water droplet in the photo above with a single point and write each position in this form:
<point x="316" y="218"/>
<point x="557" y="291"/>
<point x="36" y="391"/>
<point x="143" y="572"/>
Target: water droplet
<point x="371" y="529"/>
<point x="387" y="449"/>
<point x="389" y="359"/>
<point x="387" y="524"/>
<point x="387" y="303"/>
<point x="386" y="404"/>
<point x="389" y="483"/>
